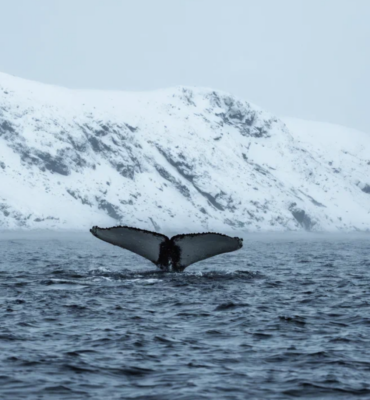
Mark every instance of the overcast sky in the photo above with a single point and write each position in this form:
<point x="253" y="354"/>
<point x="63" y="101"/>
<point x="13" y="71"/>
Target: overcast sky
<point x="300" y="58"/>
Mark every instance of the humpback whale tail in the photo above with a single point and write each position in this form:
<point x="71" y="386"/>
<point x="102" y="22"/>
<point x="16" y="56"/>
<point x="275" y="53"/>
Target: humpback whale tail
<point x="167" y="254"/>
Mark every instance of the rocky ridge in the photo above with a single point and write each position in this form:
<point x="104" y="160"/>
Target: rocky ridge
<point x="175" y="160"/>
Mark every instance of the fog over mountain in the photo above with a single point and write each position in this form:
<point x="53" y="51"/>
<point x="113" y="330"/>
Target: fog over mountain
<point x="179" y="159"/>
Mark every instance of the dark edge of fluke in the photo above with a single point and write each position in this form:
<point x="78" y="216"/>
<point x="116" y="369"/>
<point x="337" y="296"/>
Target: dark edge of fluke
<point x="160" y="234"/>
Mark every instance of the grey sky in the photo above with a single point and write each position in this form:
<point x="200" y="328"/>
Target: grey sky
<point x="302" y="58"/>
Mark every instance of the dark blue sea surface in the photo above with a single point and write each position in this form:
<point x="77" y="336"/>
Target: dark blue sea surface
<point x="288" y="316"/>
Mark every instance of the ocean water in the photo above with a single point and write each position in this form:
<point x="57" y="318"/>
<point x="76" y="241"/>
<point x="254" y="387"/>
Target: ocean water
<point x="288" y="316"/>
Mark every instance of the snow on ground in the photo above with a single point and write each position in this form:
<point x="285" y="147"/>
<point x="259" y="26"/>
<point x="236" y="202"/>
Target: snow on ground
<point x="174" y="160"/>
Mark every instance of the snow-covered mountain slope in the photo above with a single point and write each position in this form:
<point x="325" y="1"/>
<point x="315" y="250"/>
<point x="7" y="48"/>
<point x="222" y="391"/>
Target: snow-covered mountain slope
<point x="175" y="160"/>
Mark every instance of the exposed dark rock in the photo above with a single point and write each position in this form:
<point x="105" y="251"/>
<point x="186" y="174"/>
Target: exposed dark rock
<point x="132" y="129"/>
<point x="211" y="199"/>
<point x="236" y="114"/>
<point x="301" y="216"/>
<point x="260" y="169"/>
<point x="120" y="154"/>
<point x="112" y="210"/>
<point x="95" y="144"/>
<point x="6" y="128"/>
<point x="215" y="99"/>
<point x="46" y="219"/>
<point x="234" y="223"/>
<point x="21" y="219"/>
<point x="184" y="170"/>
<point x="129" y="165"/>
<point x="315" y="202"/>
<point x="239" y="114"/>
<point x="106" y="128"/>
<point x="126" y="170"/>
<point x="5" y="212"/>
<point x="77" y="196"/>
<point x="250" y="120"/>
<point x="366" y="189"/>
<point x="227" y="201"/>
<point x="78" y="147"/>
<point x="178" y="185"/>
<point x="259" y="132"/>
<point x="129" y="202"/>
<point x="187" y="95"/>
<point x="103" y="131"/>
<point x="43" y="160"/>
<point x="54" y="164"/>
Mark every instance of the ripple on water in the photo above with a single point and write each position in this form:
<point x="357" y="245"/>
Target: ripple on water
<point x="283" y="319"/>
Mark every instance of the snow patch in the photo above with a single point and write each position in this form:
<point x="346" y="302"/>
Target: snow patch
<point x="175" y="160"/>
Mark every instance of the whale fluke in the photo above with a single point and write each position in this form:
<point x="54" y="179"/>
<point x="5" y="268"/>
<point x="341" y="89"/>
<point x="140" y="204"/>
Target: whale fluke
<point x="167" y="254"/>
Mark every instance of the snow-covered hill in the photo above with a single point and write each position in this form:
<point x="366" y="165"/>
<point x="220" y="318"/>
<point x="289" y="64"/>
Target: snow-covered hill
<point x="181" y="159"/>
